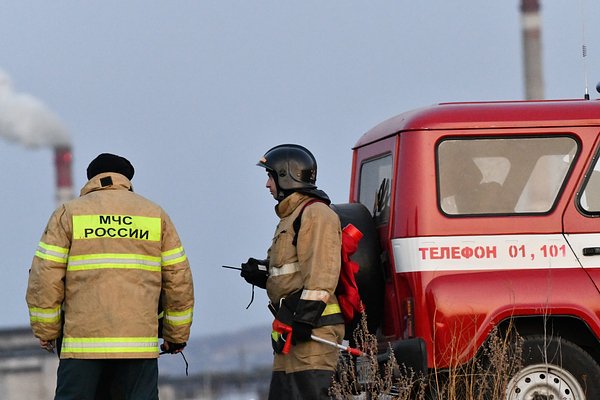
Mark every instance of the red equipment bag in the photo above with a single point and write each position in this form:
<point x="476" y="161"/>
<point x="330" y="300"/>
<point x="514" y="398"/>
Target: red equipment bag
<point x="347" y="289"/>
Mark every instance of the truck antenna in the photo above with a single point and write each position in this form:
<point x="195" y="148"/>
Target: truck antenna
<point x="583" y="7"/>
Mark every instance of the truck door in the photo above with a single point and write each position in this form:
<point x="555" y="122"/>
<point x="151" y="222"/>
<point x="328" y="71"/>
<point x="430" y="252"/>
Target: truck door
<point x="581" y="223"/>
<point x="372" y="186"/>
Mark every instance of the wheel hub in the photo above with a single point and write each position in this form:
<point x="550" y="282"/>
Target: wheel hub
<point x="544" y="382"/>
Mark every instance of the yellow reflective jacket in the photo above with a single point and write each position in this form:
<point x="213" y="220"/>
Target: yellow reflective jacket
<point x="313" y="264"/>
<point x="103" y="264"/>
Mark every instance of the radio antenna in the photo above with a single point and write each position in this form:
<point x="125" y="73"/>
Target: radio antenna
<point x="584" y="48"/>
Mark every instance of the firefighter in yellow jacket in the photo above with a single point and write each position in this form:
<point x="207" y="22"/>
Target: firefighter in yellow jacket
<point x="105" y="264"/>
<point x="303" y="270"/>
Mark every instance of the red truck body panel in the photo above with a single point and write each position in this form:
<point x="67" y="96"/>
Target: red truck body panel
<point x="462" y="274"/>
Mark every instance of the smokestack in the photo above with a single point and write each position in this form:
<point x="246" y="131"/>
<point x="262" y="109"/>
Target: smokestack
<point x="63" y="159"/>
<point x="26" y="120"/>
<point x="532" y="49"/>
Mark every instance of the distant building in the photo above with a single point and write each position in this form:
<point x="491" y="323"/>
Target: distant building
<point x="29" y="373"/>
<point x="26" y="371"/>
<point x="252" y="385"/>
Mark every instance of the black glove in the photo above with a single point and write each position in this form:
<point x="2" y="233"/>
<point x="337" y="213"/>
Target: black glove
<point x="308" y="313"/>
<point x="301" y="332"/>
<point x="172" y="347"/>
<point x="255" y="272"/>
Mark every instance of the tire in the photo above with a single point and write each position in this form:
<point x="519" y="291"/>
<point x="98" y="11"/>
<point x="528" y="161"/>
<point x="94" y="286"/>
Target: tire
<point x="554" y="368"/>
<point x="369" y="278"/>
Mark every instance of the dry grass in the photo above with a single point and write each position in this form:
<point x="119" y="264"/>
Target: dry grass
<point x="484" y="377"/>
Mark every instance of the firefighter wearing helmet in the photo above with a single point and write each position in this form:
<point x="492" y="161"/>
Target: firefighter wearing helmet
<point x="300" y="275"/>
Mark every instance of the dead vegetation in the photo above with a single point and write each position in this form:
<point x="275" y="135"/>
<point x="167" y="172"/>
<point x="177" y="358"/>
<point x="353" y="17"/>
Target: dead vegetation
<point x="484" y="377"/>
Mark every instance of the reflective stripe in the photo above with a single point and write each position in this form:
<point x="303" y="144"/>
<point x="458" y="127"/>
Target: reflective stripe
<point x="116" y="227"/>
<point x="115" y="261"/>
<point x="331" y="309"/>
<point x="52" y="253"/>
<point x="284" y="269"/>
<point x="45" y="315"/>
<point x="176" y="318"/>
<point x="322" y="295"/>
<point x="275" y="335"/>
<point x="110" y="345"/>
<point x="173" y="256"/>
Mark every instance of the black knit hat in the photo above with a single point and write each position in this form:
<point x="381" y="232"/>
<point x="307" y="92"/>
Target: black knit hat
<point x="107" y="162"/>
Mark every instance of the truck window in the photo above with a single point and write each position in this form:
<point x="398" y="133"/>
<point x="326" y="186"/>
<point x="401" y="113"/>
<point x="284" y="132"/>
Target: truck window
<point x="375" y="187"/>
<point x="590" y="197"/>
<point x="516" y="175"/>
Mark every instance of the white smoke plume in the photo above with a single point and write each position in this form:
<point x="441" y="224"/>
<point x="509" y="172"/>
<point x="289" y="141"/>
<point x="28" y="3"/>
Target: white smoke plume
<point x="26" y="120"/>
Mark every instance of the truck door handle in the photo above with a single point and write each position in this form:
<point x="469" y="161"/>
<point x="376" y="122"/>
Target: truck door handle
<point x="591" y="251"/>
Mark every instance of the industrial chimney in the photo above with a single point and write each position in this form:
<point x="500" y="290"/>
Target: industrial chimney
<point x="532" y="49"/>
<point x="26" y="120"/>
<point x="63" y="159"/>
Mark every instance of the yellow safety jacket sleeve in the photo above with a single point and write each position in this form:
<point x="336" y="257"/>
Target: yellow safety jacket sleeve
<point x="318" y="247"/>
<point x="312" y="265"/>
<point x="177" y="292"/>
<point x="46" y="285"/>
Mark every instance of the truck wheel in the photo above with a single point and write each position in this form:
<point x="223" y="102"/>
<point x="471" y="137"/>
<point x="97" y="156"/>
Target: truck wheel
<point x="554" y="368"/>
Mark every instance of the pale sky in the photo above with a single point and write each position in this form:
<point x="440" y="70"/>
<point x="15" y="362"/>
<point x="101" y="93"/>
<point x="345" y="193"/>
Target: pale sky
<point x="193" y="93"/>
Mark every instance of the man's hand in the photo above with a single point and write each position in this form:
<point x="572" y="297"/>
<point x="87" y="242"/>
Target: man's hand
<point x="172" y="348"/>
<point x="255" y="272"/>
<point x="301" y="332"/>
<point x="48" y="345"/>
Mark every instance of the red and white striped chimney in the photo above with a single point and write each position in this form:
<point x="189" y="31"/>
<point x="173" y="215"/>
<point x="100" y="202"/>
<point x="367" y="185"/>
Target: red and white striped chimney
<point x="63" y="159"/>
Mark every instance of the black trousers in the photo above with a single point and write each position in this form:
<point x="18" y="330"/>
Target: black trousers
<point x="123" y="379"/>
<point x="304" y="385"/>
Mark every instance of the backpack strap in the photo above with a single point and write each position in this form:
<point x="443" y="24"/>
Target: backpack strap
<point x="298" y="221"/>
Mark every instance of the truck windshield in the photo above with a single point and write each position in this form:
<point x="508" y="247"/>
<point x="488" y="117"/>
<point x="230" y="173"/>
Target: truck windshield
<point x="505" y="175"/>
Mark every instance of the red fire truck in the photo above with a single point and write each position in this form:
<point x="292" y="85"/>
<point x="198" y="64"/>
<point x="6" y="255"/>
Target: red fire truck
<point x="487" y="215"/>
